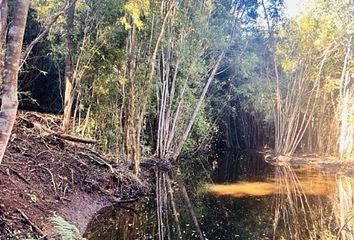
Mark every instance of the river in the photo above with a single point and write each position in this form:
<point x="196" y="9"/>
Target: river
<point x="246" y="198"/>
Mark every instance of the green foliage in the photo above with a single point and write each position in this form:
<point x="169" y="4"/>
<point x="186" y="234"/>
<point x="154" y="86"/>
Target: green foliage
<point x="45" y="8"/>
<point x="195" y="34"/>
<point x="327" y="235"/>
<point x="312" y="47"/>
<point x="66" y="230"/>
<point x="257" y="98"/>
<point x="202" y="132"/>
<point x="135" y="9"/>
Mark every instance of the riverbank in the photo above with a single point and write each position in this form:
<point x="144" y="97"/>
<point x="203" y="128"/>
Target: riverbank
<point x="43" y="175"/>
<point x="330" y="164"/>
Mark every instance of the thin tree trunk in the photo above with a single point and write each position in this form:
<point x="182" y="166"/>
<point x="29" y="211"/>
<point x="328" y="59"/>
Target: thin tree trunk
<point x="86" y="121"/>
<point x="199" y="104"/>
<point x="9" y="101"/>
<point x="346" y="133"/>
<point x="69" y="68"/>
<point x="3" y="24"/>
<point x="132" y="113"/>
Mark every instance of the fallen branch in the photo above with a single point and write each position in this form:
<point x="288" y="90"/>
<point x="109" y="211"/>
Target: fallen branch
<point x="117" y="201"/>
<point x="34" y="226"/>
<point x="67" y="137"/>
<point x="99" y="155"/>
<point x="98" y="160"/>
<point x="73" y="138"/>
<point x="19" y="175"/>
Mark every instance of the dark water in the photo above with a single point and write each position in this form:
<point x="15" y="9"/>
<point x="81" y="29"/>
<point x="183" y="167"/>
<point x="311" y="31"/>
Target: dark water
<point x="247" y="199"/>
<point x="124" y="222"/>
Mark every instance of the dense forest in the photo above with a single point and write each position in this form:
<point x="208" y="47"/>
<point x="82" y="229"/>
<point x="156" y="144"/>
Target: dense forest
<point x="156" y="82"/>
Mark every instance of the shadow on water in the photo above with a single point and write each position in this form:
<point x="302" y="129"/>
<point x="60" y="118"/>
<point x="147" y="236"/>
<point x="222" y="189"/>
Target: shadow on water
<point x="123" y="222"/>
<point x="249" y="199"/>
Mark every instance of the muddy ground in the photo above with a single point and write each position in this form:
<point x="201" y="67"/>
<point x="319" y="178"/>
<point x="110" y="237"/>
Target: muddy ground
<point x="42" y="175"/>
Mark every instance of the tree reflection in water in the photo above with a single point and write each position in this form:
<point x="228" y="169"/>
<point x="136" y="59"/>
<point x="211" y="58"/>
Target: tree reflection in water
<point x="120" y="223"/>
<point x="266" y="202"/>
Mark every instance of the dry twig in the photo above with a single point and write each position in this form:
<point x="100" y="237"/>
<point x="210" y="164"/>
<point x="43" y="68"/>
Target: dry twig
<point x="34" y="226"/>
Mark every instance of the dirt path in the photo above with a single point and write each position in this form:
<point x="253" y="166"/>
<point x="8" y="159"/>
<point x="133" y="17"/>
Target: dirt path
<point x="42" y="175"/>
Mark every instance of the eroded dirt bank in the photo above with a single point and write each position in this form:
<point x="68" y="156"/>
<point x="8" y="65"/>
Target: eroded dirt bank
<point x="42" y="175"/>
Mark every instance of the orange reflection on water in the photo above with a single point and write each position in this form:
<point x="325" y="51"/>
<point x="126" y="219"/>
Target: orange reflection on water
<point x="242" y="189"/>
<point x="309" y="185"/>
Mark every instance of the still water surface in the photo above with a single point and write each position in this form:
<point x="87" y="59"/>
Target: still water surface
<point x="249" y="199"/>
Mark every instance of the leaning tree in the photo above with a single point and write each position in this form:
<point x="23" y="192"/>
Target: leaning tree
<point x="12" y="47"/>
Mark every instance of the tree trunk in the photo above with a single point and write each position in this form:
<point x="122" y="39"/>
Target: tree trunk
<point x="346" y="132"/>
<point x="3" y="23"/>
<point x="69" y="68"/>
<point x="197" y="107"/>
<point x="9" y="101"/>
<point x="132" y="109"/>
